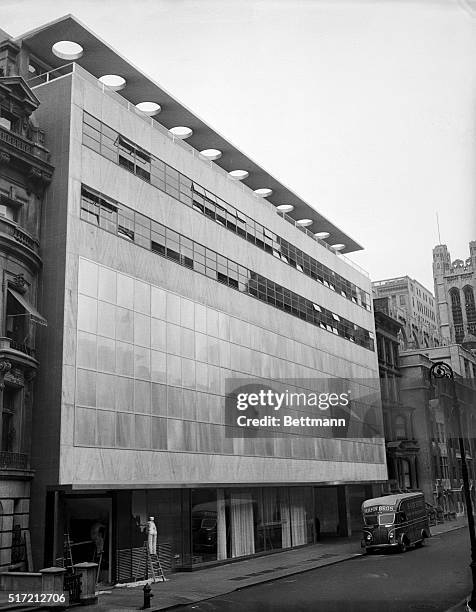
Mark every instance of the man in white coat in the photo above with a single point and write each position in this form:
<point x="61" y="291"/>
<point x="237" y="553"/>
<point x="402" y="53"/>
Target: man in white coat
<point x="151" y="536"/>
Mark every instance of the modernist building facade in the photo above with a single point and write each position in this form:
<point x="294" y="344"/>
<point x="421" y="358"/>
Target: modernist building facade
<point x="455" y="286"/>
<point x="24" y="174"/>
<point x="164" y="275"/>
<point x="416" y="310"/>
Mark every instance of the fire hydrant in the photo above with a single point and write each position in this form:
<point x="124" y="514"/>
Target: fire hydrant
<point x="147" y="596"/>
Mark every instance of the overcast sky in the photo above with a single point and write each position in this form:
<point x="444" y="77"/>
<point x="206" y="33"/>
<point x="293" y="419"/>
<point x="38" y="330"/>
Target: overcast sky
<point x="365" y="108"/>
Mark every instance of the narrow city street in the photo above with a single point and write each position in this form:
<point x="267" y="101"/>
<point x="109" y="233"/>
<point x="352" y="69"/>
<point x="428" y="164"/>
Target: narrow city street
<point x="434" y="577"/>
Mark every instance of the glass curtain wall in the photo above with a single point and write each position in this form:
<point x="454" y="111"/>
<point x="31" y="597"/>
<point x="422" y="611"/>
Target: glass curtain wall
<point x="230" y="523"/>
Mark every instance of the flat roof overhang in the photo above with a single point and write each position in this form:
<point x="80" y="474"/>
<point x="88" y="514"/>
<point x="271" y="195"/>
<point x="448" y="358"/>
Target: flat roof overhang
<point x="100" y="59"/>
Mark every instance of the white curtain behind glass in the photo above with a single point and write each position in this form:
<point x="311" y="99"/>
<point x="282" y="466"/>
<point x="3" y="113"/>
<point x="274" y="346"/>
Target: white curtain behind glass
<point x="241" y="518"/>
<point x="285" y="519"/>
<point x="298" y="516"/>
<point x="221" y="525"/>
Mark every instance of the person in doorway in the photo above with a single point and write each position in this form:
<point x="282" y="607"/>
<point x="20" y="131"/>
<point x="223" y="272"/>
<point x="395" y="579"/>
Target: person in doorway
<point x="151" y="531"/>
<point x="98" y="533"/>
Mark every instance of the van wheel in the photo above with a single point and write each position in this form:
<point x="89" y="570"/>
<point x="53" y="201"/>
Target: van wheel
<point x="421" y="542"/>
<point x="403" y="546"/>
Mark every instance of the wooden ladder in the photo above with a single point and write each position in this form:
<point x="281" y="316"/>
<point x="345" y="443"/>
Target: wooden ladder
<point x="68" y="553"/>
<point x="150" y="562"/>
<point x="97" y="558"/>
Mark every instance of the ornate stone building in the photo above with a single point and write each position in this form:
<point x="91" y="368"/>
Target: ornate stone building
<point x="419" y="422"/>
<point x="434" y="421"/>
<point x="24" y="173"/>
<point x="400" y="440"/>
<point x="455" y="286"/>
<point x="414" y="307"/>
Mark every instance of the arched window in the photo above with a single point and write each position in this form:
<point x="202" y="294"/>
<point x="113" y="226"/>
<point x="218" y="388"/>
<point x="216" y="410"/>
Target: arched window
<point x="457" y="314"/>
<point x="470" y="309"/>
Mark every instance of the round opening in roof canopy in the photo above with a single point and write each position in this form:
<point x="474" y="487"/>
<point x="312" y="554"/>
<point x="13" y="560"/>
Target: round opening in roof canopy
<point x="322" y="235"/>
<point x="304" y="222"/>
<point x="181" y="131"/>
<point x="239" y="175"/>
<point x="113" y="81"/>
<point x="338" y="247"/>
<point x="67" y="50"/>
<point x="149" y="108"/>
<point x="264" y="192"/>
<point x="211" y="154"/>
<point x="285" y="208"/>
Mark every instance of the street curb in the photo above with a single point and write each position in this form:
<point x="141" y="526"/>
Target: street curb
<point x="266" y="581"/>
<point x="455" y="528"/>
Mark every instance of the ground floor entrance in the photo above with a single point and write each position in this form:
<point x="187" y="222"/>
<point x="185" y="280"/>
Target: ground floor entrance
<point x="195" y="526"/>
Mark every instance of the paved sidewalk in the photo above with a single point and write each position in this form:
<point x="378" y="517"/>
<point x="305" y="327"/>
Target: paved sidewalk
<point x="190" y="587"/>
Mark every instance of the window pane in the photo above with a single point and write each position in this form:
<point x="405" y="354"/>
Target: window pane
<point x="107" y="285"/>
<point x="106" y="384"/>
<point x="142" y="362"/>
<point x="87" y="314"/>
<point x="106" y="319"/>
<point x="85" y="426"/>
<point x="106" y="435"/>
<point x="106" y="354"/>
<point x="125" y="291"/>
<point x="86" y="351"/>
<point x="124" y="358"/>
<point x="141" y="297"/>
<point x="158" y="334"/>
<point x="159" y="399"/>
<point x="86" y="387"/>
<point x="142" y="396"/>
<point x="143" y="433"/>
<point x="124" y="325"/>
<point x="125" y="430"/>
<point x="124" y="394"/>
<point x="141" y="329"/>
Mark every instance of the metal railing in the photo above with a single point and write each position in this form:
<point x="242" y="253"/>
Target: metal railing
<point x="16" y="461"/>
<point x="19" y="234"/>
<point x="76" y="68"/>
<point x="23" y="348"/>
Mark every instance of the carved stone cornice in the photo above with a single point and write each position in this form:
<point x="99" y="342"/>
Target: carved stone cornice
<point x="5" y="366"/>
<point x="19" y="283"/>
<point x="28" y="157"/>
<point x="15" y="378"/>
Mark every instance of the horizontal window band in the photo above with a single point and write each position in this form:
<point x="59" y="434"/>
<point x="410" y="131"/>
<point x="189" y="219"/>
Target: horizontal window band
<point x="136" y="160"/>
<point x="255" y="285"/>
